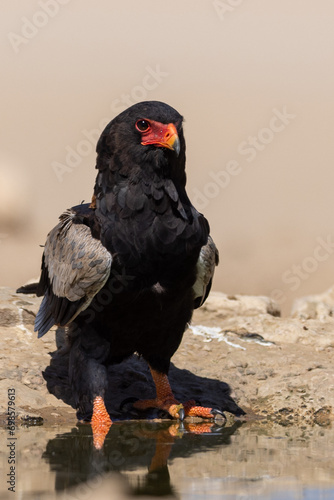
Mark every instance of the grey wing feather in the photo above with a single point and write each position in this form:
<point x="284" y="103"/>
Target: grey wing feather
<point x="77" y="267"/>
<point x="207" y="261"/>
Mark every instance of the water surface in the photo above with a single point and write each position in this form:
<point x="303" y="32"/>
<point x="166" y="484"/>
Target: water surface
<point x="187" y="461"/>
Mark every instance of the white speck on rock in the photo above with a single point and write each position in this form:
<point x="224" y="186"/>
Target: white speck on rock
<point x="21" y="324"/>
<point x="213" y="332"/>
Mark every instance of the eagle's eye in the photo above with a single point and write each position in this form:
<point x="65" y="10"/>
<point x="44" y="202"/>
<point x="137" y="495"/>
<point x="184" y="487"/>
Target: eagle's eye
<point x="143" y="125"/>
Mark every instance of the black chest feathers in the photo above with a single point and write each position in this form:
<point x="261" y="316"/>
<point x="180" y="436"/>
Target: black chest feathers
<point x="154" y="239"/>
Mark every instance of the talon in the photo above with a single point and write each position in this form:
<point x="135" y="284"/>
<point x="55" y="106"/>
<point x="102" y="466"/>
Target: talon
<point x="182" y="414"/>
<point x="215" y="412"/>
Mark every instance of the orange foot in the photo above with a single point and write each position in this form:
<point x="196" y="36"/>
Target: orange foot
<point x="100" y="422"/>
<point x="166" y="401"/>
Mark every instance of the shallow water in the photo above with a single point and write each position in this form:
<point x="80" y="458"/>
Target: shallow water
<point x="187" y="461"/>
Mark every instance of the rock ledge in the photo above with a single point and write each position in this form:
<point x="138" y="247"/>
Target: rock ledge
<point x="237" y="352"/>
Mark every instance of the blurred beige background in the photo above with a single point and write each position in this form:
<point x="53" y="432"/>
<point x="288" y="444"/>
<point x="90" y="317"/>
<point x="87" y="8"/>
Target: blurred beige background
<point x="254" y="81"/>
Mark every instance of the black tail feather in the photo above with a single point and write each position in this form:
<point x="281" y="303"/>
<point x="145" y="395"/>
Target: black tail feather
<point x="30" y="288"/>
<point x="44" y="319"/>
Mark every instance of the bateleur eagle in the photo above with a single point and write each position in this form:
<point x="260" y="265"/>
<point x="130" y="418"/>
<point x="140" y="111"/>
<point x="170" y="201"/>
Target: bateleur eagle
<point x="125" y="272"/>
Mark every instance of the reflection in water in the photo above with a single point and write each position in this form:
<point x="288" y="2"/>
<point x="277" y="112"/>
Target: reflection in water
<point x="257" y="461"/>
<point x="144" y="447"/>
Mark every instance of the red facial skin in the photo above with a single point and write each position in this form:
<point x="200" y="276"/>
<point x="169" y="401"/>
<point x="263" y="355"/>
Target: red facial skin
<point x="160" y="134"/>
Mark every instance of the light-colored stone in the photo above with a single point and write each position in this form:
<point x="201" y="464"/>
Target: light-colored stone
<point x="319" y="306"/>
<point x="224" y="305"/>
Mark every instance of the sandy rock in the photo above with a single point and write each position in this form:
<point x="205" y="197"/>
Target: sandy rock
<point x="17" y="310"/>
<point x="319" y="306"/>
<point x="222" y="305"/>
<point x="237" y="353"/>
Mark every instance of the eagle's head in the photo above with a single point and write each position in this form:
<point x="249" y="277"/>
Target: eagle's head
<point x="145" y="140"/>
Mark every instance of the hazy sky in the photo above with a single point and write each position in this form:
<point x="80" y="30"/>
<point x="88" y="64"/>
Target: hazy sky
<point x="254" y="81"/>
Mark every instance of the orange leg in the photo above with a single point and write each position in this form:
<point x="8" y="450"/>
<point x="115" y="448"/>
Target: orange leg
<point x="165" y="400"/>
<point x="100" y="422"/>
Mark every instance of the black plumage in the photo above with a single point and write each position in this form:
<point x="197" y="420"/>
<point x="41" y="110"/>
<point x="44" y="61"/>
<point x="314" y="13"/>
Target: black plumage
<point x="125" y="272"/>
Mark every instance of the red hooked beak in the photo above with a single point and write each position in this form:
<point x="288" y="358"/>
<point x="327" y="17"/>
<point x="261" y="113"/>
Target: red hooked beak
<point x="162" y="135"/>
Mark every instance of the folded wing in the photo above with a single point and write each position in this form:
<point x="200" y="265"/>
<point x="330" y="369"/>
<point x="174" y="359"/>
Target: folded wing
<point x="75" y="267"/>
<point x="207" y="261"/>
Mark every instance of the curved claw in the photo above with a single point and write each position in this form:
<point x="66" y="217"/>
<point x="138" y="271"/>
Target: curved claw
<point x="182" y="414"/>
<point x="215" y="412"/>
